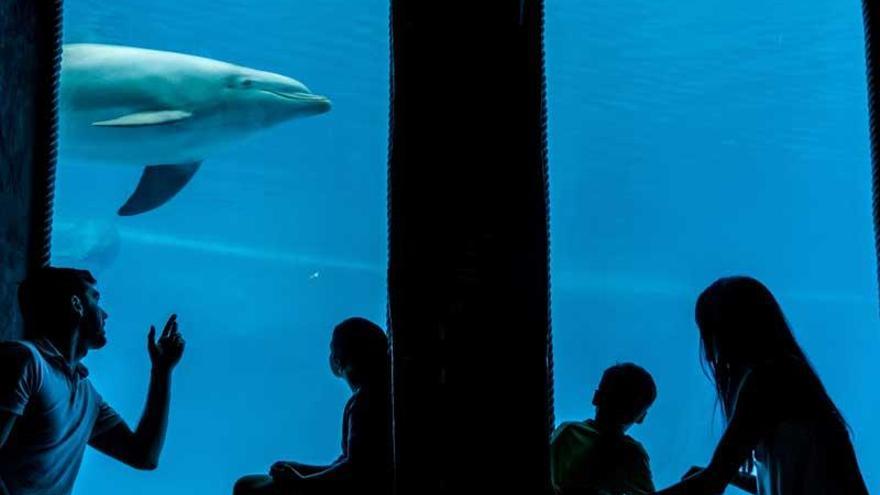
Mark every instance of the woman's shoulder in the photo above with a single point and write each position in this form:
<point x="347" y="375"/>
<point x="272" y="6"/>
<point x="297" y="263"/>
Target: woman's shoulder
<point x="768" y="382"/>
<point x="785" y="387"/>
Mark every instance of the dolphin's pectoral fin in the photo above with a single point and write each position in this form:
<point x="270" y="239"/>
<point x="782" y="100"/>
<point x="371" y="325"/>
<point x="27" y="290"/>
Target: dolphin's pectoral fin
<point x="157" y="186"/>
<point x="141" y="119"/>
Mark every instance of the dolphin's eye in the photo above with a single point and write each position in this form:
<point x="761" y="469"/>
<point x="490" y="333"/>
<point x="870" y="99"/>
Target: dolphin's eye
<point x="247" y="83"/>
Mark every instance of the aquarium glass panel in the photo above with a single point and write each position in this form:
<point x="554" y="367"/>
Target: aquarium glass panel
<point x="691" y="140"/>
<point x="261" y="220"/>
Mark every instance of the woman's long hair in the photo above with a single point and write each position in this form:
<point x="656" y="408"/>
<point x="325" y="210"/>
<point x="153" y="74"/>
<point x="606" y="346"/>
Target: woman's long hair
<point x="742" y="326"/>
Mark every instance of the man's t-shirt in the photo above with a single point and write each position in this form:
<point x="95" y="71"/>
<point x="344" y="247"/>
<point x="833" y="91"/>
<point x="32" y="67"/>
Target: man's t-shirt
<point x="584" y="461"/>
<point x="58" y="411"/>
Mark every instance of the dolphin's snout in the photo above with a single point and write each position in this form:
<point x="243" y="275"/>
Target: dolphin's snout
<point x="320" y="104"/>
<point x="314" y="103"/>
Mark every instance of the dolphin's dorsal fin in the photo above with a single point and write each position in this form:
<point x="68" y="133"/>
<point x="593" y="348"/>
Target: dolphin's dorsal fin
<point x="157" y="186"/>
<point x="145" y="118"/>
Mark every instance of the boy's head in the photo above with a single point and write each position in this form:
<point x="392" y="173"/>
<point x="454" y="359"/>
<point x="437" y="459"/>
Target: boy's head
<point x="56" y="301"/>
<point x="624" y="395"/>
<point x="359" y="351"/>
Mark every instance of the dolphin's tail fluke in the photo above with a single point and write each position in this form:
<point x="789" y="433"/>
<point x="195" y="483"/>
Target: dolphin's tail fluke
<point x="157" y="186"/>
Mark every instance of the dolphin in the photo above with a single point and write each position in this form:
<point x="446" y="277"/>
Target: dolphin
<point x="166" y="111"/>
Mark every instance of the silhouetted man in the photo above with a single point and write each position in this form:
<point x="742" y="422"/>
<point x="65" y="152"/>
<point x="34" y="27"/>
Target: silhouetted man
<point x="49" y="409"/>
<point x="596" y="457"/>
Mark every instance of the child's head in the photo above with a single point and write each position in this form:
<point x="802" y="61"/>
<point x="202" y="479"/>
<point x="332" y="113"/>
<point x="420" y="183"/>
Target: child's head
<point x="359" y="352"/>
<point x="624" y="395"/>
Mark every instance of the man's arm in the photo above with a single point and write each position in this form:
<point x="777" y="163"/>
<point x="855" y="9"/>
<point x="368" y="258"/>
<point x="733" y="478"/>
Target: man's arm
<point x="20" y="377"/>
<point x="7" y="421"/>
<point x="142" y="447"/>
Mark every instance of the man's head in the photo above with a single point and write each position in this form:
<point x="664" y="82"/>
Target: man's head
<point x="624" y="395"/>
<point x="55" y="302"/>
<point x="359" y="352"/>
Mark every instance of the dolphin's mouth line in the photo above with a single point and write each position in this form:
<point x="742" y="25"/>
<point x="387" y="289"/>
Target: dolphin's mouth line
<point x="297" y="96"/>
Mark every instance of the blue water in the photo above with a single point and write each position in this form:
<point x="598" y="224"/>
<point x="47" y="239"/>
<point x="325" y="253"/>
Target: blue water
<point x="695" y="139"/>
<point x="271" y="244"/>
<point x="688" y="140"/>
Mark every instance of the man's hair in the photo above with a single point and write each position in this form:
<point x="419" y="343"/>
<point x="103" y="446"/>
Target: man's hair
<point x="626" y="390"/>
<point x="44" y="297"/>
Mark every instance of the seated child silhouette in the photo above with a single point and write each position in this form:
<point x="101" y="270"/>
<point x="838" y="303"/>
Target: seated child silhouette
<point x="596" y="456"/>
<point x="359" y="355"/>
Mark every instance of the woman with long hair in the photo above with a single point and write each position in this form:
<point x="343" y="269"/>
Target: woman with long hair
<point x="780" y="419"/>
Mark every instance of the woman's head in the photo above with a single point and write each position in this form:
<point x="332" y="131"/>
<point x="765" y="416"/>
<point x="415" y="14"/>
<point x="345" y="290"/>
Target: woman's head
<point x="359" y="352"/>
<point x="742" y="326"/>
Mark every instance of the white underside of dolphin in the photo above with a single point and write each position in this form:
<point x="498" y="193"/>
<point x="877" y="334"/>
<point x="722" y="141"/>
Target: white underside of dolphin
<point x="166" y="111"/>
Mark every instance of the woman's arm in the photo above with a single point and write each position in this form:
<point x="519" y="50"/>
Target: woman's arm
<point x="303" y="469"/>
<point x="740" y="438"/>
<point x="746" y="483"/>
<point x="743" y="481"/>
<point x="365" y="438"/>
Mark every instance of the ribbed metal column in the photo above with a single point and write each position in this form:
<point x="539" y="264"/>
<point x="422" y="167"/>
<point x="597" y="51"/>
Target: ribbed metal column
<point x="48" y="51"/>
<point x="468" y="241"/>
<point x="29" y="43"/>
<point x="871" y="10"/>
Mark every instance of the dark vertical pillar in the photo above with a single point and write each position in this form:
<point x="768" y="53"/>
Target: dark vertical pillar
<point x="871" y="11"/>
<point x="28" y="64"/>
<point x="468" y="270"/>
